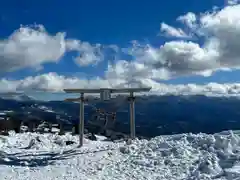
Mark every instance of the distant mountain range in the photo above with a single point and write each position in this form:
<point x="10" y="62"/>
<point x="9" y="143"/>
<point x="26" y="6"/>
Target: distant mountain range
<point x="155" y="115"/>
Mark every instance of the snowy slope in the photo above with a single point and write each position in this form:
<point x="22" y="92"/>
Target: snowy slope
<point x="184" y="156"/>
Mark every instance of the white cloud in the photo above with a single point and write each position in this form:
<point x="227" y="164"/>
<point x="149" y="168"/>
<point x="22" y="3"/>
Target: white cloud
<point x="233" y="2"/>
<point x="219" y="32"/>
<point x="34" y="46"/>
<point x="188" y="19"/>
<point x="127" y="71"/>
<point x="28" y="47"/>
<point x="89" y="54"/>
<point x="56" y="83"/>
<point x="170" y="31"/>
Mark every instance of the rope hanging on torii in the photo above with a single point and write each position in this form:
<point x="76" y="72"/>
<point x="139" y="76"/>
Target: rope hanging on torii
<point x="105" y="118"/>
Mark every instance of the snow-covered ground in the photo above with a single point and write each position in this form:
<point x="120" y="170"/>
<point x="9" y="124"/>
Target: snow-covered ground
<point x="179" y="157"/>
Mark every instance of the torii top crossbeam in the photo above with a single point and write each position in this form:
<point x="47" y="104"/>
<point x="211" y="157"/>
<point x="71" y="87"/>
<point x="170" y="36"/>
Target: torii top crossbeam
<point x="112" y="90"/>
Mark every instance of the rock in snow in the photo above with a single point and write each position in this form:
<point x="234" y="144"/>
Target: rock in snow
<point x="185" y="156"/>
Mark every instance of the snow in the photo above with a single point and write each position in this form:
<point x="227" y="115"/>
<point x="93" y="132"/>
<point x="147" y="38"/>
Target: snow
<point x="46" y="109"/>
<point x="177" y="157"/>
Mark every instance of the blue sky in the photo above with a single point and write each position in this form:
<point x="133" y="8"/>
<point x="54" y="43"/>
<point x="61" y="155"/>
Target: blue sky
<point x="108" y="23"/>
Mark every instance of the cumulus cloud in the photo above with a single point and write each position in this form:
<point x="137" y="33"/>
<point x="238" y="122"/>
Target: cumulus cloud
<point x="127" y="70"/>
<point x="170" y="31"/>
<point x="233" y="2"/>
<point x="30" y="47"/>
<point x="33" y="46"/>
<point x="89" y="54"/>
<point x="217" y="48"/>
<point x="56" y="83"/>
<point x="217" y="30"/>
<point x="188" y="19"/>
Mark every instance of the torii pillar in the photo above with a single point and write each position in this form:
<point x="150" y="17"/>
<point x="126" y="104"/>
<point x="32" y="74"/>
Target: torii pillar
<point x="81" y="100"/>
<point x="81" y="120"/>
<point x="131" y="100"/>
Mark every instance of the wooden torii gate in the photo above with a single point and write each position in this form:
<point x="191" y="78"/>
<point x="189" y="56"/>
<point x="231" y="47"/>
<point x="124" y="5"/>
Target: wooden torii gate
<point x="105" y="95"/>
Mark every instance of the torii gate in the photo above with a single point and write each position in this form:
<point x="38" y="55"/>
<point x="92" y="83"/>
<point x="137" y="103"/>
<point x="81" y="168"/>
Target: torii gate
<point x="105" y="95"/>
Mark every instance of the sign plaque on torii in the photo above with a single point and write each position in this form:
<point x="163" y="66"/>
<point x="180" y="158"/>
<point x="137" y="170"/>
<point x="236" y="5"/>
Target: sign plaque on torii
<point x="105" y="95"/>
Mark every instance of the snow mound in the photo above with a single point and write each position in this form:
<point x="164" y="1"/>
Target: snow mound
<point x="185" y="156"/>
<point x="177" y="157"/>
